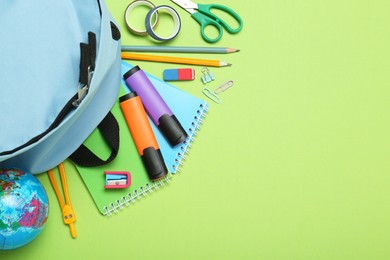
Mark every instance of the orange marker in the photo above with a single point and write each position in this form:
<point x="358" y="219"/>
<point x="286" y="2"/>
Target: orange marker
<point x="143" y="135"/>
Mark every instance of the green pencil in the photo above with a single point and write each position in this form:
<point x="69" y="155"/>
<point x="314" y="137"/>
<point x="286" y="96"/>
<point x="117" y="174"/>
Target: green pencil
<point x="178" y="49"/>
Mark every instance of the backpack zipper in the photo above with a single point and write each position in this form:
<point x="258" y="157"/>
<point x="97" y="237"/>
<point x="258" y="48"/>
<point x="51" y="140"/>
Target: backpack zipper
<point x="65" y="110"/>
<point x="87" y="67"/>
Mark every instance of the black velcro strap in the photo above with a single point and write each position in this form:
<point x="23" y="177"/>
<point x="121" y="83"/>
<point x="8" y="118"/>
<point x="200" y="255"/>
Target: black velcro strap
<point x="109" y="129"/>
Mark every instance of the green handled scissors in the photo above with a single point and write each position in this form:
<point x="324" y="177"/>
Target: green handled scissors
<point x="203" y="15"/>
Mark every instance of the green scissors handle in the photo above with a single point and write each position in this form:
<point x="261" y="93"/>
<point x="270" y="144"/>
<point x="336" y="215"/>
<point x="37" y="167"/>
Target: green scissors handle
<point x="205" y="18"/>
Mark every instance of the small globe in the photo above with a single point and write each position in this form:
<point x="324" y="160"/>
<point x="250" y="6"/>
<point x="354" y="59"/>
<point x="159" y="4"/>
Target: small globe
<point x="23" y="208"/>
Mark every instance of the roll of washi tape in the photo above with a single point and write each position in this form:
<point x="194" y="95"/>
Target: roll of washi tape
<point x="130" y="8"/>
<point x="176" y="20"/>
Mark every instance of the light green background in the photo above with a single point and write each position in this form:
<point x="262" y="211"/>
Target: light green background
<point x="294" y="164"/>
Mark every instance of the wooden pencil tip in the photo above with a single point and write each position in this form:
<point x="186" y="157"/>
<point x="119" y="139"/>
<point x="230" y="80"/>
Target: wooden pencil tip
<point x="225" y="64"/>
<point x="230" y="50"/>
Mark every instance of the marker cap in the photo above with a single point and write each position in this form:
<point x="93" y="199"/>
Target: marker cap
<point x="154" y="163"/>
<point x="172" y="129"/>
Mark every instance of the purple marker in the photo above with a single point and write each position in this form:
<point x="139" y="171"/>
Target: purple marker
<point x="155" y="106"/>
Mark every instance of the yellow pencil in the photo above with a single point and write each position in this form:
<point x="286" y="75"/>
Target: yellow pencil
<point x="170" y="59"/>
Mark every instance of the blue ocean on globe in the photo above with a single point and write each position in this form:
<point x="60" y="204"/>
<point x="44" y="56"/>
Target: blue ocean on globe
<point x="23" y="208"/>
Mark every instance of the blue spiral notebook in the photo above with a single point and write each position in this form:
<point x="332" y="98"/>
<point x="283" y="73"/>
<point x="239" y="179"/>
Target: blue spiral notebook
<point x="188" y="109"/>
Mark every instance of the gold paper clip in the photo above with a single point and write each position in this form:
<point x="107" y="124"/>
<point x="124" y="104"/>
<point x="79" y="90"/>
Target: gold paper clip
<point x="211" y="95"/>
<point x="224" y="86"/>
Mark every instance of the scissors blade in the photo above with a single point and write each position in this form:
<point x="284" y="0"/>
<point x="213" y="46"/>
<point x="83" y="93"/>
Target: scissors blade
<point x="188" y="5"/>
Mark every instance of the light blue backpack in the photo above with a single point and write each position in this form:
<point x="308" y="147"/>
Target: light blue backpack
<point x="59" y="78"/>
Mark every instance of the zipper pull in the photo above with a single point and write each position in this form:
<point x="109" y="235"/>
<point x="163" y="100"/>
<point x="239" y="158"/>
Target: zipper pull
<point x="82" y="88"/>
<point x="87" y="67"/>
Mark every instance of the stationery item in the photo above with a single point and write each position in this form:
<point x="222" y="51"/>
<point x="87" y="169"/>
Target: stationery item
<point x="155" y="106"/>
<point x="171" y="59"/>
<point x="189" y="110"/>
<point x="117" y="180"/>
<point x="203" y="14"/>
<point x="228" y="84"/>
<point x="130" y="8"/>
<point x="178" y="49"/>
<point x="207" y="75"/>
<point x="143" y="135"/>
<point x="69" y="217"/>
<point x="168" y="10"/>
<point x="179" y="74"/>
<point x="211" y="95"/>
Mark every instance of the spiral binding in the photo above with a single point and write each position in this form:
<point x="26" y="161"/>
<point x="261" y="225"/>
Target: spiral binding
<point x="195" y="125"/>
<point x="136" y="194"/>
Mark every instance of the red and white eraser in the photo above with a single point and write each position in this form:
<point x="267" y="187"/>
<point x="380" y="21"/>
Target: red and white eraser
<point x="179" y="74"/>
